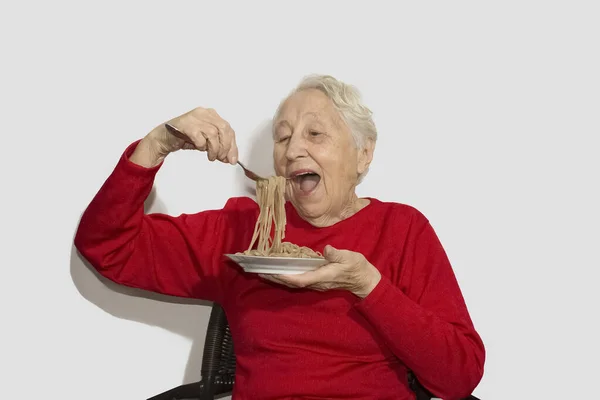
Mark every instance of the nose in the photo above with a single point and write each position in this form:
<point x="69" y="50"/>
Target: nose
<point x="296" y="148"/>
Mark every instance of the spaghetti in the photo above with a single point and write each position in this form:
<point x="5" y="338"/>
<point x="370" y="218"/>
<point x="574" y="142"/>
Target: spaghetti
<point x="270" y="195"/>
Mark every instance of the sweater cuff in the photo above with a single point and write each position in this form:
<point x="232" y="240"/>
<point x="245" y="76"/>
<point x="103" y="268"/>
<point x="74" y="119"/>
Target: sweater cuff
<point x="384" y="290"/>
<point x="373" y="298"/>
<point x="135" y="169"/>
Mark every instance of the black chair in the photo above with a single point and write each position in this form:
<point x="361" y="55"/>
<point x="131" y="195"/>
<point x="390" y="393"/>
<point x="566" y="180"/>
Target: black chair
<point x="218" y="364"/>
<point x="218" y="367"/>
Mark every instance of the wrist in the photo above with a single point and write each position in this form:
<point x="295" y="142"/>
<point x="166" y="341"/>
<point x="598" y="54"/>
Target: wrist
<point x="371" y="280"/>
<point x="148" y="152"/>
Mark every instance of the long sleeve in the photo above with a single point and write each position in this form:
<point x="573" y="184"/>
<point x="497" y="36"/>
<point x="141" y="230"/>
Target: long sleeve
<point x="423" y="317"/>
<point x="177" y="256"/>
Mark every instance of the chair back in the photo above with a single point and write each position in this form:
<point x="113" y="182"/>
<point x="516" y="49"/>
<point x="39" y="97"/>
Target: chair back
<point x="218" y="364"/>
<point x="218" y="359"/>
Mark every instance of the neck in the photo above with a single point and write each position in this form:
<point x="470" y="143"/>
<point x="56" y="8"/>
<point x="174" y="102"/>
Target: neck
<point x="348" y="208"/>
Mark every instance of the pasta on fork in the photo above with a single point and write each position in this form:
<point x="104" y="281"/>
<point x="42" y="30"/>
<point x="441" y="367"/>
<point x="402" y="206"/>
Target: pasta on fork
<point x="270" y="195"/>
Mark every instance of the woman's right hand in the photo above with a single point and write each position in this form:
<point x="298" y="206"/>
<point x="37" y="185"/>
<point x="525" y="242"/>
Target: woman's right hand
<point x="206" y="131"/>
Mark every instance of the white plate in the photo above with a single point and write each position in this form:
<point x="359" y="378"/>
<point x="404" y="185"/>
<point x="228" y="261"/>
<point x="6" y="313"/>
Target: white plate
<point x="277" y="265"/>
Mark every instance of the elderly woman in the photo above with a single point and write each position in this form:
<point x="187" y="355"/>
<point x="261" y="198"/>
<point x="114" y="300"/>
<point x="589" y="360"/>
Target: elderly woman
<point x="386" y="303"/>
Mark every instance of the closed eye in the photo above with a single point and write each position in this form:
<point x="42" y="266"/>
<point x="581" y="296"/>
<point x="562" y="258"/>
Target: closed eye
<point x="315" y="133"/>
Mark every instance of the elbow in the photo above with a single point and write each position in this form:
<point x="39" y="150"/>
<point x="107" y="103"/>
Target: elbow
<point x="97" y="258"/>
<point x="81" y="242"/>
<point x="108" y="254"/>
<point x="96" y="252"/>
<point x="469" y="384"/>
<point x="470" y="377"/>
<point x="84" y="242"/>
<point x="478" y="365"/>
<point x="459" y="380"/>
<point x="84" y="245"/>
<point x="460" y="388"/>
<point x="472" y="369"/>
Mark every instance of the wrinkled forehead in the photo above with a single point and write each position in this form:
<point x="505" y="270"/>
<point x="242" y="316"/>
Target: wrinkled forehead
<point x="310" y="105"/>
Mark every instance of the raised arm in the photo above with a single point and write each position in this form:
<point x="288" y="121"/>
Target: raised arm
<point x="177" y="256"/>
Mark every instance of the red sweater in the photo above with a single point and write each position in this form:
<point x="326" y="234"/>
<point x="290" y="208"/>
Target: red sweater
<point x="298" y="344"/>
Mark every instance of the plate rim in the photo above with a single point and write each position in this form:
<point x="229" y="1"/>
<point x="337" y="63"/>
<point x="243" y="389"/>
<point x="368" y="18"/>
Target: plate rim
<point x="279" y="258"/>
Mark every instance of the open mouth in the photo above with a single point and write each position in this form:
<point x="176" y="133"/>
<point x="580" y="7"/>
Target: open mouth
<point x="306" y="180"/>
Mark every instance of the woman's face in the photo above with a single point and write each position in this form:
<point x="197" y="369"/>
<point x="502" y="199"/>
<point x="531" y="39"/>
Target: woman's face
<point x="315" y="148"/>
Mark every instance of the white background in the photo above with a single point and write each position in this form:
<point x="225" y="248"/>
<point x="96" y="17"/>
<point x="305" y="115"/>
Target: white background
<point x="487" y="114"/>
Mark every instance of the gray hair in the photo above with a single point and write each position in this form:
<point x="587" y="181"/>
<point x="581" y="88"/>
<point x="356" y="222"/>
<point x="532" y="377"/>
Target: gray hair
<point x="347" y="101"/>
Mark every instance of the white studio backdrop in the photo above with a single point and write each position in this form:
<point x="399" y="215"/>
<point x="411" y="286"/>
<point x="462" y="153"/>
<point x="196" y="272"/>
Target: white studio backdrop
<point x="487" y="115"/>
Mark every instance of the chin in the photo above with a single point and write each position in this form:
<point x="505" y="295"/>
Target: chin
<point x="309" y="206"/>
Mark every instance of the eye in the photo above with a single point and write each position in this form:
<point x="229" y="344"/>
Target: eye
<point x="283" y="139"/>
<point x="315" y="133"/>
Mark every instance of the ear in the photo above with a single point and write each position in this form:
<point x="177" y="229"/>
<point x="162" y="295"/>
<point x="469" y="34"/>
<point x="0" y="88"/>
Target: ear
<point x="365" y="156"/>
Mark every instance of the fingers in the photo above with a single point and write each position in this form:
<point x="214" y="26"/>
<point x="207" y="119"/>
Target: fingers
<point x="318" y="279"/>
<point x="188" y="146"/>
<point x="207" y="131"/>
<point x="210" y="135"/>
<point x="334" y="255"/>
<point x="325" y="277"/>
<point x="232" y="155"/>
<point x="226" y="150"/>
<point x="276" y="279"/>
<point x="346" y="270"/>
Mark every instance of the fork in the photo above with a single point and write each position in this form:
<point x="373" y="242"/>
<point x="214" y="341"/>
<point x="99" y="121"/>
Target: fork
<point x="176" y="132"/>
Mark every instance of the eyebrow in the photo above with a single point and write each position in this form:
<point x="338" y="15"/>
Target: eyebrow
<point x="316" y="116"/>
<point x="282" y="122"/>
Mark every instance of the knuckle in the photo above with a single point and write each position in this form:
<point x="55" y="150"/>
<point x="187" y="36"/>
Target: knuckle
<point x="211" y="130"/>
<point x="194" y="132"/>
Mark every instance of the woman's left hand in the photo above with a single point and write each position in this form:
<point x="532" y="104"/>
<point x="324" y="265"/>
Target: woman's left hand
<point x="347" y="270"/>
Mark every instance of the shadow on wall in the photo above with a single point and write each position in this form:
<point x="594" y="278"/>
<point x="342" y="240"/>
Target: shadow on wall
<point x="173" y="314"/>
<point x="146" y="307"/>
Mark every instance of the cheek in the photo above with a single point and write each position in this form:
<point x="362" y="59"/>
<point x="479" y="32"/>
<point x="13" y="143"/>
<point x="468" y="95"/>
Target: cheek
<point x="338" y="164"/>
<point x="349" y="163"/>
<point x="278" y="161"/>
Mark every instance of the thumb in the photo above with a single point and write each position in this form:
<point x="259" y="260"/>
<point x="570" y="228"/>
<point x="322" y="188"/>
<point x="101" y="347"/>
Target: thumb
<point x="332" y="254"/>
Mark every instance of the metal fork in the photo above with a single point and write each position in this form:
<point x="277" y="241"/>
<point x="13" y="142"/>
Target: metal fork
<point x="176" y="132"/>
